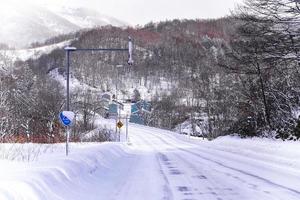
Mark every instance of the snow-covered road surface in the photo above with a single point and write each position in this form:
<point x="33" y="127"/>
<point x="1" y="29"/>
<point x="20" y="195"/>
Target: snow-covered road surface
<point x="201" y="171"/>
<point x="160" y="165"/>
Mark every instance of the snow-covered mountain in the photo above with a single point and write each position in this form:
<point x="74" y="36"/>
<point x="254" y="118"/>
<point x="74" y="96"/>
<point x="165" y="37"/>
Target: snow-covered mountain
<point x="23" y="25"/>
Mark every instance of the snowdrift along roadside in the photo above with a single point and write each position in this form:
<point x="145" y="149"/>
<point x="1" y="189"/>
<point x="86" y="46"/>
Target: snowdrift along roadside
<point x="53" y="174"/>
<point x="107" y="170"/>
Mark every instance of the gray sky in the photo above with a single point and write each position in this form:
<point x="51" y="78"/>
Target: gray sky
<point x="142" y="11"/>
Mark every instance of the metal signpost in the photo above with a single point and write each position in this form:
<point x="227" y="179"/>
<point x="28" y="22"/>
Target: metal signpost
<point x="127" y="128"/>
<point x="74" y="49"/>
<point x="120" y="124"/>
<point x="66" y="118"/>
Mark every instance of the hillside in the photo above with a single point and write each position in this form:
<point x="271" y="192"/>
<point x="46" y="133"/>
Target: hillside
<point x="165" y="55"/>
<point x="198" y="75"/>
<point x="181" y="109"/>
<point x="23" y="25"/>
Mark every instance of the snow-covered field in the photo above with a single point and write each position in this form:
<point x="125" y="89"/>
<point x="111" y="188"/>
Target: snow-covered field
<point x="155" y="164"/>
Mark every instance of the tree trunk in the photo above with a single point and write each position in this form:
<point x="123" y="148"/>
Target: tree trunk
<point x="262" y="86"/>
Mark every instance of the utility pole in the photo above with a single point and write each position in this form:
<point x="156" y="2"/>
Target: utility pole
<point x="68" y="50"/>
<point x="74" y="49"/>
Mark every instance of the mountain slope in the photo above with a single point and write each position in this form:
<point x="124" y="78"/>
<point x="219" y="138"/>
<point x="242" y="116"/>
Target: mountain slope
<point x="23" y="25"/>
<point x="86" y="18"/>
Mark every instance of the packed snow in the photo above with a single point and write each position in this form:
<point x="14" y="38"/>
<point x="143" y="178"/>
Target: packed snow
<point x="153" y="164"/>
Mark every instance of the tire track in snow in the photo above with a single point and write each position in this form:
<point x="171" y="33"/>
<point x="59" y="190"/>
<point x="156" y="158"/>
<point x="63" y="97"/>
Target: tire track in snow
<point x="224" y="165"/>
<point x="168" y="195"/>
<point x="187" y="183"/>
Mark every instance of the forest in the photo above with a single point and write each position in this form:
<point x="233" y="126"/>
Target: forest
<point x="235" y="75"/>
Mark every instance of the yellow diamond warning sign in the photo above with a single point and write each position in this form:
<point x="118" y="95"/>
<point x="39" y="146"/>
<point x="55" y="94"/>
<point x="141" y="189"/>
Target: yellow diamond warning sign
<point x="119" y="124"/>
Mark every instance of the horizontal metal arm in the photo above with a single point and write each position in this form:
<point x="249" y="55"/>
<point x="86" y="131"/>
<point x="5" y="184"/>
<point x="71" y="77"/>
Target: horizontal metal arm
<point x="102" y="49"/>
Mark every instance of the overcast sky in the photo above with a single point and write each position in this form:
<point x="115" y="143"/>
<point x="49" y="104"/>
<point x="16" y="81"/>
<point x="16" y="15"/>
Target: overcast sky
<point x="143" y="11"/>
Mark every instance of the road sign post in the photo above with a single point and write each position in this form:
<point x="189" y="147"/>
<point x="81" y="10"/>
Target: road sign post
<point x="116" y="139"/>
<point x="119" y="125"/>
<point x="67" y="141"/>
<point x="126" y="128"/>
<point x="67" y="118"/>
<point x="119" y="135"/>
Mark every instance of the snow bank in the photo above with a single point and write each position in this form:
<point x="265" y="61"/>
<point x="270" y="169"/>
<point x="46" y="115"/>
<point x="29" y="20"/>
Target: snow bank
<point x="283" y="153"/>
<point x="54" y="175"/>
<point x="25" y="152"/>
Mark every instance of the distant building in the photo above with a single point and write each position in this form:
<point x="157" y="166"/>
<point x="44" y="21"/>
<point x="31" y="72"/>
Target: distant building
<point x="138" y="112"/>
<point x="112" y="110"/>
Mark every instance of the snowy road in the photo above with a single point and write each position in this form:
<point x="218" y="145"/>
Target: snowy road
<point x="158" y="165"/>
<point x="161" y="166"/>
